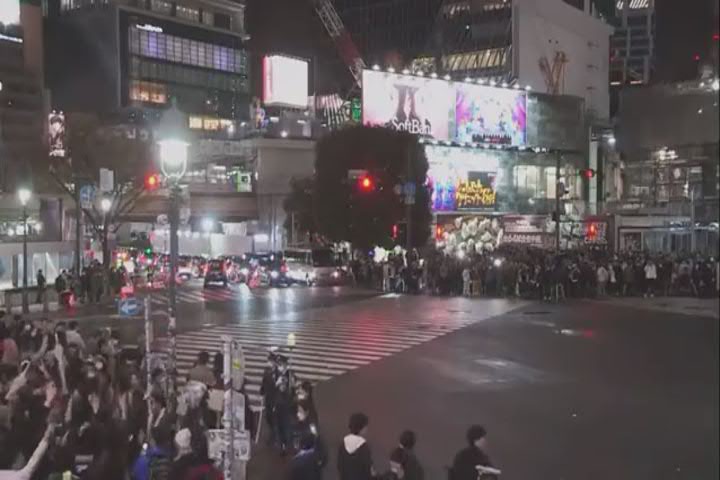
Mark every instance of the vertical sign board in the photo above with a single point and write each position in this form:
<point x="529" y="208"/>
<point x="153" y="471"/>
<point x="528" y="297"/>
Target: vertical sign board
<point x="285" y="82"/>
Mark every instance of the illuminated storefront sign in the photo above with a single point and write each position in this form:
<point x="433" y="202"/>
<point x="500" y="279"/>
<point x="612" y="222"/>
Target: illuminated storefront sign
<point x="462" y="179"/>
<point x="527" y="230"/>
<point x="474" y="195"/>
<point x="444" y="110"/>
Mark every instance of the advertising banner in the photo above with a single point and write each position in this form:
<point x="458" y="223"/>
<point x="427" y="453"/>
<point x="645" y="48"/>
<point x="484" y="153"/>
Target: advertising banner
<point x="56" y="134"/>
<point x="418" y="105"/>
<point x="285" y="81"/>
<point x="10" y="29"/>
<point x="443" y="110"/>
<point x="532" y="230"/>
<point x="462" y="179"/>
<point x="490" y="115"/>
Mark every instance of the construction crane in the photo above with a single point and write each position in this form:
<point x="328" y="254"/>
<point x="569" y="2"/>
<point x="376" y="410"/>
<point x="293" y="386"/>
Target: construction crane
<point x="344" y="43"/>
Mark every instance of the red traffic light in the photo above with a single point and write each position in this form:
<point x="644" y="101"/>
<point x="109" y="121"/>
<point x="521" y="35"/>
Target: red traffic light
<point x="438" y="232"/>
<point x="395" y="231"/>
<point x="366" y="184"/>
<point x="588" y="173"/>
<point x="152" y="181"/>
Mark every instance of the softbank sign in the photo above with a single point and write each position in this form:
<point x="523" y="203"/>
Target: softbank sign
<point x="421" y="106"/>
<point x="444" y="110"/>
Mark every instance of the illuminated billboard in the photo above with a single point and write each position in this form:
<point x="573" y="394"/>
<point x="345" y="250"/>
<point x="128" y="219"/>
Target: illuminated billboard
<point x="462" y="179"/>
<point x="10" y="29"/>
<point x="56" y="134"/>
<point x="285" y="81"/>
<point x="490" y="115"/>
<point x="444" y="110"/>
<point x="422" y="106"/>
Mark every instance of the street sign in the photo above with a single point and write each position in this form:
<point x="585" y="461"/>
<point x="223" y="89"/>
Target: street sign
<point x="87" y="196"/>
<point x="409" y="188"/>
<point x="107" y="180"/>
<point x="217" y="444"/>
<point x="409" y="199"/>
<point x="129" y="307"/>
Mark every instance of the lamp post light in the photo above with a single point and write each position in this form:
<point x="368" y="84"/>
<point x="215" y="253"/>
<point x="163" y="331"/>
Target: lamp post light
<point x="24" y="195"/>
<point x="173" y="164"/>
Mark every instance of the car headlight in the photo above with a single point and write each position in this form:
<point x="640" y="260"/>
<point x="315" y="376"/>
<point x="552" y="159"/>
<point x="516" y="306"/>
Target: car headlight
<point x="336" y="274"/>
<point x="274" y="274"/>
<point x="244" y="271"/>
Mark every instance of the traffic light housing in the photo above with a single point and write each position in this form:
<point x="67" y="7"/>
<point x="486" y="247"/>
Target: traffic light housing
<point x="152" y="181"/>
<point x="587" y="173"/>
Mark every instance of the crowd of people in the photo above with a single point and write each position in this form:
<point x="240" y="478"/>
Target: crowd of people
<point x="89" y="287"/>
<point x="514" y="271"/>
<point x="72" y="407"/>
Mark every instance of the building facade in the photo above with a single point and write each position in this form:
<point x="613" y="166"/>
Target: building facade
<point x="667" y="136"/>
<point x="109" y="55"/>
<point x="632" y="53"/>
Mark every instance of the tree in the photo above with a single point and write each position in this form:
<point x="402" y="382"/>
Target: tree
<point x="92" y="145"/>
<point x="346" y="211"/>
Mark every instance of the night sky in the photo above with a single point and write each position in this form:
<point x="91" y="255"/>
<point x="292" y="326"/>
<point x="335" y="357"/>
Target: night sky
<point x="684" y="29"/>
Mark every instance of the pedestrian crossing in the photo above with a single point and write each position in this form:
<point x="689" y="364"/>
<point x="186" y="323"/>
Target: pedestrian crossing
<point x="201" y="295"/>
<point x="333" y="342"/>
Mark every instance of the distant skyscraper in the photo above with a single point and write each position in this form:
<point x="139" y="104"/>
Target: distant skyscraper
<point x="632" y="53"/>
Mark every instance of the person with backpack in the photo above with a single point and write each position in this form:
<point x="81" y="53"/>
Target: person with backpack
<point x="354" y="457"/>
<point x="155" y="461"/>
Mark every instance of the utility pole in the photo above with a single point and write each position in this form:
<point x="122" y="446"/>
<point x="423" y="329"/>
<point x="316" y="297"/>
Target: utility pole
<point x="172" y="303"/>
<point x="558" y="194"/>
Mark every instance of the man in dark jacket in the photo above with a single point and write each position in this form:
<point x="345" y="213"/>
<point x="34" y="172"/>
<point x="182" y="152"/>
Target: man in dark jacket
<point x="413" y="469"/>
<point x="354" y="457"/>
<point x="469" y="458"/>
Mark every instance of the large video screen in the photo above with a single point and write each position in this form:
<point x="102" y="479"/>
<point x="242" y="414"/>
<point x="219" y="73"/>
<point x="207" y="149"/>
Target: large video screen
<point x="285" y="81"/>
<point x="10" y="29"/>
<point x="462" y="178"/>
<point x="490" y="115"/>
<point x="444" y="110"/>
<point x="422" y="106"/>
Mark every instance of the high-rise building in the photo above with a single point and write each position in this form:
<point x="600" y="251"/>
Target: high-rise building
<point x="106" y="55"/>
<point x="632" y="54"/>
<point x="21" y="96"/>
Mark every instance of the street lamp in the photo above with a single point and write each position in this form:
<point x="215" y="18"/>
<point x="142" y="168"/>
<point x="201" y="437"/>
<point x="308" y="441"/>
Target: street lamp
<point x="170" y="134"/>
<point x="105" y="204"/>
<point x="24" y="195"/>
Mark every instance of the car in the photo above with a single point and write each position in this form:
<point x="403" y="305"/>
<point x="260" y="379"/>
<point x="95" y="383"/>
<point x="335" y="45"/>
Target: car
<point x="215" y="273"/>
<point x="184" y="268"/>
<point x="317" y="266"/>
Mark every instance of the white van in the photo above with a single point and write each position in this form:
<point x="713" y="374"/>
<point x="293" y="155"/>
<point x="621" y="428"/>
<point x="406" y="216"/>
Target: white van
<point x="317" y="266"/>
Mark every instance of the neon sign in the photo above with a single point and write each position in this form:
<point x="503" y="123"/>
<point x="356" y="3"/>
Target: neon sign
<point x="474" y="194"/>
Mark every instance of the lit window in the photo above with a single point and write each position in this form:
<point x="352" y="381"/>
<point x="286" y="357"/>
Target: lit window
<point x="148" y="92"/>
<point x="187" y="13"/>
<point x="195" y="123"/>
<point x="211" y="124"/>
<point x="161" y="6"/>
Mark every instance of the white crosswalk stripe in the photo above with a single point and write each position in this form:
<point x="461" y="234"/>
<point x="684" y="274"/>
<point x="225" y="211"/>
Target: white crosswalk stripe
<point x="325" y="348"/>
<point x="199" y="296"/>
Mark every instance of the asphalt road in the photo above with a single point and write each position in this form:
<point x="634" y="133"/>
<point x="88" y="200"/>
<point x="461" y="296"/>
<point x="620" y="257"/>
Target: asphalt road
<point x="585" y="390"/>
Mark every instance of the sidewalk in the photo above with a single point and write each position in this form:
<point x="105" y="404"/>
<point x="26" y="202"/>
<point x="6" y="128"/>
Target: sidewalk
<point x="697" y="307"/>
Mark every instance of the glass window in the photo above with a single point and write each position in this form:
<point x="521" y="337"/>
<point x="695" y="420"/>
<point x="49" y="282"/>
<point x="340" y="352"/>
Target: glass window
<point x="187" y="13"/>
<point x="208" y="18"/>
<point x="161" y="6"/>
